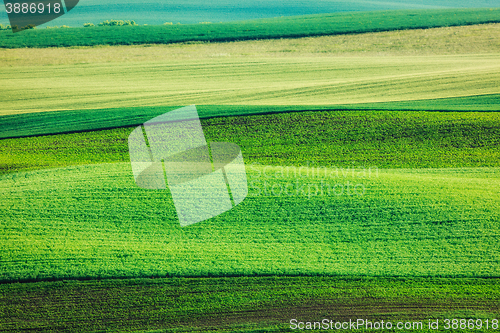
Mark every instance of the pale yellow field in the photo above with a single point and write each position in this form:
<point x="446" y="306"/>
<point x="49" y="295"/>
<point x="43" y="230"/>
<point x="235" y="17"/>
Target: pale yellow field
<point x="374" y="67"/>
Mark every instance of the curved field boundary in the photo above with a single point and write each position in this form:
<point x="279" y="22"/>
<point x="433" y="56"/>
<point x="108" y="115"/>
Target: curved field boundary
<point x="92" y="221"/>
<point x="298" y="26"/>
<point x="248" y="304"/>
<point x="59" y="122"/>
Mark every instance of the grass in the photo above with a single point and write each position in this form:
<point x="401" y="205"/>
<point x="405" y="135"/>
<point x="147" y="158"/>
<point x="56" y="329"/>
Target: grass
<point x="474" y="39"/>
<point x="42" y="123"/>
<point x="92" y="221"/>
<point x="264" y="304"/>
<point x="287" y="27"/>
<point x="420" y="242"/>
<point x="468" y="103"/>
<point x="332" y="70"/>
<point x="387" y="139"/>
<point x="200" y="11"/>
<point x="258" y="81"/>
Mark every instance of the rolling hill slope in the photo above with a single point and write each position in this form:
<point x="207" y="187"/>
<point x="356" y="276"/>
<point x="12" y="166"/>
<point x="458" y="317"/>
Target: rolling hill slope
<point x="93" y="222"/>
<point x="270" y="28"/>
<point x="371" y="213"/>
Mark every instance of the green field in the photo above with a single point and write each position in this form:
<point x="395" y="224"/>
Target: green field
<point x="126" y="76"/>
<point x="374" y="184"/>
<point x="322" y="71"/>
<point x="388" y="139"/>
<point x="40" y="123"/>
<point x="92" y="221"/>
<point x="87" y="202"/>
<point x="249" y="81"/>
<point x="284" y="27"/>
<point x="264" y="304"/>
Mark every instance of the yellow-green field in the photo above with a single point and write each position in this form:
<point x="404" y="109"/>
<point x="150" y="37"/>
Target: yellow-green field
<point x="378" y="67"/>
<point x="412" y="236"/>
<point x="93" y="221"/>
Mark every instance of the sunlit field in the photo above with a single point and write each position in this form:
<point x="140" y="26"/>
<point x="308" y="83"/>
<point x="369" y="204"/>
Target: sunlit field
<point x="311" y="71"/>
<point x="373" y="166"/>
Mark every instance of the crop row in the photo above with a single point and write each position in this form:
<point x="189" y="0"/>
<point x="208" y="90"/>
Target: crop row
<point x="92" y="221"/>
<point x="300" y="26"/>
<point x="238" y="304"/>
<point x="256" y="80"/>
<point x="385" y="139"/>
<point x="40" y="123"/>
